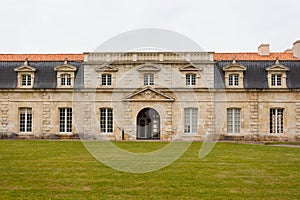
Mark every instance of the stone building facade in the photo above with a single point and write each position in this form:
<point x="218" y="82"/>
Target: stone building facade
<point x="152" y="95"/>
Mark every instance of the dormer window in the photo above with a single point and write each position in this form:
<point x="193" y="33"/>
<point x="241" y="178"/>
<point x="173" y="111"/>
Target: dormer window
<point x="148" y="79"/>
<point x="190" y="79"/>
<point x="65" y="79"/>
<point x="25" y="75"/>
<point x="65" y="75"/>
<point x="276" y="79"/>
<point x="107" y="75"/>
<point x="26" y="79"/>
<point x="277" y="75"/>
<point x="233" y="80"/>
<point x="234" y="75"/>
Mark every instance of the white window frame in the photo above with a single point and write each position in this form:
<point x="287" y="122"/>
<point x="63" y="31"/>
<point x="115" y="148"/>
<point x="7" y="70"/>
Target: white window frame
<point x="106" y="79"/>
<point x="190" y="79"/>
<point x="233" y="120"/>
<point x="25" y="122"/>
<point x="66" y="79"/>
<point x="106" y="120"/>
<point x="26" y="80"/>
<point x="276" y="120"/>
<point x="276" y="79"/>
<point x="148" y="79"/>
<point x="190" y="120"/>
<point x="233" y="80"/>
<point x="65" y="120"/>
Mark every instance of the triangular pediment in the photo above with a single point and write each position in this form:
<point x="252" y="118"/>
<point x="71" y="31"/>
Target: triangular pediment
<point x="65" y="68"/>
<point x="234" y="67"/>
<point x="106" y="68"/>
<point x="148" y="68"/>
<point x="277" y="67"/>
<point x="148" y="94"/>
<point x="25" y="68"/>
<point x="190" y="68"/>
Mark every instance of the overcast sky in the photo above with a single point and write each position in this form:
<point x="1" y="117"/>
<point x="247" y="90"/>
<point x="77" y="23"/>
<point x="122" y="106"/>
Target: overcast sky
<point x="75" y="26"/>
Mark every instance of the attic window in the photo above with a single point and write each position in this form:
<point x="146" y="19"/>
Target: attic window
<point x="276" y="79"/>
<point x="25" y="75"/>
<point x="65" y="75"/>
<point x="277" y="75"/>
<point x="26" y="80"/>
<point x="234" y="75"/>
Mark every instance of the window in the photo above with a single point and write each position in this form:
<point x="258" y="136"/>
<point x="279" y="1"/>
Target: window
<point x="190" y="120"/>
<point x="65" y="79"/>
<point x="276" y="120"/>
<point x="148" y="79"/>
<point x="276" y="79"/>
<point x="25" y="120"/>
<point x="106" y="79"/>
<point x="233" y="79"/>
<point x="233" y="120"/>
<point x="106" y="120"/>
<point x="26" y="80"/>
<point x="65" y="120"/>
<point x="190" y="79"/>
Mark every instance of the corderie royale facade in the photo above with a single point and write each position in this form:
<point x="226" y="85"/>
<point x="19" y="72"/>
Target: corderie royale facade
<point x="152" y="95"/>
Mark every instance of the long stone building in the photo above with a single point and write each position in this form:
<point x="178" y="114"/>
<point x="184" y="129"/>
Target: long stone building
<point x="152" y="95"/>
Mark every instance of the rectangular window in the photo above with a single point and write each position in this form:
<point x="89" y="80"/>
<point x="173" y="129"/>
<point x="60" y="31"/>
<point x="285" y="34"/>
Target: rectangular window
<point x="233" y="79"/>
<point x="65" y="120"/>
<point x="25" y="120"/>
<point x="233" y="120"/>
<point x="190" y="79"/>
<point x="26" y="80"/>
<point x="148" y="79"/>
<point x="276" y="79"/>
<point x="276" y="120"/>
<point x="106" y="120"/>
<point x="65" y="79"/>
<point x="190" y="120"/>
<point x="106" y="79"/>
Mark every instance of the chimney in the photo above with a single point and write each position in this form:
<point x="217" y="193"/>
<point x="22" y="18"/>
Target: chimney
<point x="264" y="50"/>
<point x="296" y="49"/>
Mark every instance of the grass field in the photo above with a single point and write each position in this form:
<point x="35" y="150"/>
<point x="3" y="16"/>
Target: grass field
<point x="65" y="170"/>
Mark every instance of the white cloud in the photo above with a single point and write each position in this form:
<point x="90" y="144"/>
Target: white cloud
<point x="35" y="26"/>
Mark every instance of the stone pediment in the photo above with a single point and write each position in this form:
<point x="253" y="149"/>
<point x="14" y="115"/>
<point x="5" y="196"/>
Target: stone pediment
<point x="148" y="68"/>
<point x="234" y="67"/>
<point x="148" y="94"/>
<point x="190" y="68"/>
<point x="277" y="67"/>
<point x="106" y="68"/>
<point x="65" y="67"/>
<point x="25" y="68"/>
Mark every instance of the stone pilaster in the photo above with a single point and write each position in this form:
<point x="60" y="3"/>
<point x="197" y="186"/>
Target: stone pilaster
<point x="46" y="126"/>
<point x="4" y="112"/>
<point x="254" y="113"/>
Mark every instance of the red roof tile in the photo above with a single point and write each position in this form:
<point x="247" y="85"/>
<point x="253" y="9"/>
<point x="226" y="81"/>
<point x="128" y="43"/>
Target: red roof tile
<point x="254" y="56"/>
<point x="41" y="57"/>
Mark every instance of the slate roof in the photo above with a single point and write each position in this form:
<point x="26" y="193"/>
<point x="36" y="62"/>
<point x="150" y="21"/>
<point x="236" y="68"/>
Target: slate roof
<point x="255" y="77"/>
<point x="45" y="76"/>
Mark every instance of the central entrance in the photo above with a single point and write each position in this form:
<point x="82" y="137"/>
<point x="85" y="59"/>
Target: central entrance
<point x="148" y="124"/>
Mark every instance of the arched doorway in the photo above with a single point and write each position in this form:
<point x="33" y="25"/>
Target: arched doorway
<point x="148" y="125"/>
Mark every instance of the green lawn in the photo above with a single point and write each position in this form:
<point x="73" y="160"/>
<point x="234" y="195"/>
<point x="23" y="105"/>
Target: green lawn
<point x="65" y="170"/>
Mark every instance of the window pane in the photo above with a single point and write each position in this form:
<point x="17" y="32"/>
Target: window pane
<point x="65" y="120"/>
<point x="276" y="120"/>
<point x="148" y="79"/>
<point x="190" y="120"/>
<point x="233" y="120"/>
<point x="25" y="120"/>
<point x="106" y="120"/>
